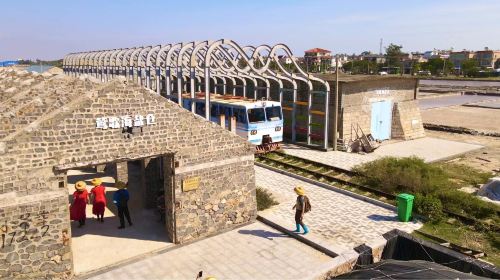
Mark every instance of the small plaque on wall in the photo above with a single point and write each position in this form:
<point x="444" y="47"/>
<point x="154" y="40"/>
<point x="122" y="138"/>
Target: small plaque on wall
<point x="190" y="184"/>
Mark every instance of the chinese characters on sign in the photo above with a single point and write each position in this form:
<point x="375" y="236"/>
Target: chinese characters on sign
<point x="124" y="121"/>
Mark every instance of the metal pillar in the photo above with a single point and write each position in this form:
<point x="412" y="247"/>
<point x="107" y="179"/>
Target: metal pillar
<point x="335" y="104"/>
<point x="179" y="85"/>
<point x="158" y="80"/>
<point x="148" y="77"/>
<point x="207" y="93"/>
<point x="192" y="76"/>
<point x="327" y="121"/>
<point x="294" y="111"/>
<point x="309" y="117"/>
<point x="168" y="82"/>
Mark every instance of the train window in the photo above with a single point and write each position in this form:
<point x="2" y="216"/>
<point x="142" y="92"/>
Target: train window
<point x="240" y="115"/>
<point x="256" y="115"/>
<point x="273" y="113"/>
<point x="227" y="112"/>
<point x="214" y="110"/>
<point x="186" y="104"/>
<point x="200" y="108"/>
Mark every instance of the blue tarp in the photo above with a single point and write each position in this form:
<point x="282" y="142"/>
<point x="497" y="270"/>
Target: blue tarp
<point x="8" y="63"/>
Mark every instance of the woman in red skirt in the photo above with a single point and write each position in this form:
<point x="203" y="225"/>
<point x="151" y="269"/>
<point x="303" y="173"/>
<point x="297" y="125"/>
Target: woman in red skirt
<point x="80" y="199"/>
<point x="99" y="202"/>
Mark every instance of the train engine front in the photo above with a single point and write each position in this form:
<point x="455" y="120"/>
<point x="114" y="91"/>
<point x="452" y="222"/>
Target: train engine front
<point x="265" y="125"/>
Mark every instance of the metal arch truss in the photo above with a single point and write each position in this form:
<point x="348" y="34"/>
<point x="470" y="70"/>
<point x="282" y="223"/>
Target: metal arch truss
<point x="201" y="67"/>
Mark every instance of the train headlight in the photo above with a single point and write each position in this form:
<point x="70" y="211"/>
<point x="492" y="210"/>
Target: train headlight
<point x="253" y="132"/>
<point x="278" y="128"/>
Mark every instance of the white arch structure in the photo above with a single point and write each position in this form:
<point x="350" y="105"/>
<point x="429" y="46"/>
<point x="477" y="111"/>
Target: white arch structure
<point x="207" y="65"/>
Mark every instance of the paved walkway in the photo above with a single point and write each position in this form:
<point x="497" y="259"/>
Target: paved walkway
<point x="430" y="149"/>
<point x="337" y="221"/>
<point x="255" y="251"/>
<point x="97" y="245"/>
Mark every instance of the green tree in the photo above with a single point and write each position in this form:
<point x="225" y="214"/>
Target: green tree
<point x="361" y="67"/>
<point x="470" y="68"/>
<point x="438" y="65"/>
<point x="417" y="66"/>
<point x="393" y="55"/>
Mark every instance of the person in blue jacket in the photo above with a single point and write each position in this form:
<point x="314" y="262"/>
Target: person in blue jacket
<point x="120" y="199"/>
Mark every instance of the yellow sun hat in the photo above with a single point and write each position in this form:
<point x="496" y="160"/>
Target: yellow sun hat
<point x="299" y="190"/>
<point x="80" y="185"/>
<point x="120" y="185"/>
<point x="96" y="182"/>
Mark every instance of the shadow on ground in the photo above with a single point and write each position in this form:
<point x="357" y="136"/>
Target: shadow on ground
<point x="382" y="218"/>
<point x="262" y="233"/>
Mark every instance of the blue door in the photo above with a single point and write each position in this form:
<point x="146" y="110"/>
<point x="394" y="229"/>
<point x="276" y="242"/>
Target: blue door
<point x="381" y="120"/>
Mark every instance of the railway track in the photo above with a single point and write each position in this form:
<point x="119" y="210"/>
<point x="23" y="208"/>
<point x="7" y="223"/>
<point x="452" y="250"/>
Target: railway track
<point x="341" y="178"/>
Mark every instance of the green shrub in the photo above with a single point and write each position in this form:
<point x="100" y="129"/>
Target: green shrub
<point x="429" y="206"/>
<point x="264" y="199"/>
<point x="409" y="174"/>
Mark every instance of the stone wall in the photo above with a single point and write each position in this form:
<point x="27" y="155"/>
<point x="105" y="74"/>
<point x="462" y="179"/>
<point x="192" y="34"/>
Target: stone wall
<point x="355" y="98"/>
<point x="356" y="106"/>
<point x="34" y="159"/>
<point x="225" y="197"/>
<point x="407" y="121"/>
<point x="70" y="139"/>
<point x="35" y="233"/>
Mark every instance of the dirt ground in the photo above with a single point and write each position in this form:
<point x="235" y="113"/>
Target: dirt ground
<point x="480" y="119"/>
<point x="487" y="159"/>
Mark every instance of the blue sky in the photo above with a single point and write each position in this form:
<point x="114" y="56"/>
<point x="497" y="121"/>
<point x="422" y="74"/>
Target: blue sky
<point x="50" y="29"/>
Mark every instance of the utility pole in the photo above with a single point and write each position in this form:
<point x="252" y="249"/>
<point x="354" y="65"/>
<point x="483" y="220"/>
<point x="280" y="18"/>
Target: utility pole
<point x="335" y="103"/>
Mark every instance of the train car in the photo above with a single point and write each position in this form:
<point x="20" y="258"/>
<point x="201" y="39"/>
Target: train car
<point x="260" y="122"/>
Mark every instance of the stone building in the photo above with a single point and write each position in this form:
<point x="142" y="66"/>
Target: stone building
<point x="385" y="107"/>
<point x="53" y="124"/>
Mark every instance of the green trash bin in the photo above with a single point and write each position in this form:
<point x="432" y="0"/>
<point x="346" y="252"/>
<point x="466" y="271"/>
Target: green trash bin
<point x="405" y="205"/>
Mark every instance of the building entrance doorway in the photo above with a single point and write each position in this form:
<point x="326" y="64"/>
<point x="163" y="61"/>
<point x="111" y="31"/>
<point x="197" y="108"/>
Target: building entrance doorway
<point x="99" y="244"/>
<point x="381" y="119"/>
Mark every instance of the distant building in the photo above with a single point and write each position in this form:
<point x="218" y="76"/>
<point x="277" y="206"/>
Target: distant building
<point x="457" y="58"/>
<point x="8" y="63"/>
<point x="378" y="58"/>
<point x="317" y="59"/>
<point x="430" y="54"/>
<point x="487" y="58"/>
<point x="343" y="58"/>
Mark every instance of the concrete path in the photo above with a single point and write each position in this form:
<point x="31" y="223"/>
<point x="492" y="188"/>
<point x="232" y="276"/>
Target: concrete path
<point x="97" y="245"/>
<point x="427" y="148"/>
<point x="477" y="118"/>
<point x="255" y="251"/>
<point x="337" y="221"/>
<point x="448" y="101"/>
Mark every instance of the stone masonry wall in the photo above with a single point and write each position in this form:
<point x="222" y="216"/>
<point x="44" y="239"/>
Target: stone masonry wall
<point x="358" y="97"/>
<point x="407" y="121"/>
<point x="34" y="160"/>
<point x="354" y="104"/>
<point x="70" y="139"/>
<point x="225" y="197"/>
<point x="26" y="107"/>
<point x="35" y="233"/>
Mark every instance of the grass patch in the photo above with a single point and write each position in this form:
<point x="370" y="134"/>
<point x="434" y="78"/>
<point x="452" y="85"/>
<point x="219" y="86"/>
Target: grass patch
<point x="394" y="175"/>
<point x="432" y="185"/>
<point x="265" y="199"/>
<point x="466" y="236"/>
<point x="462" y="175"/>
